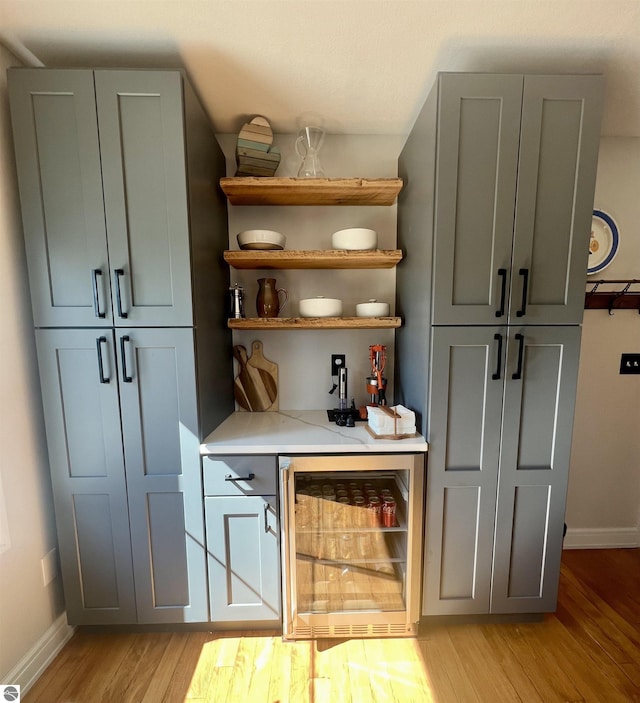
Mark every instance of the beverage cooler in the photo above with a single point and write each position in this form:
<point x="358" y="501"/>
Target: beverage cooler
<point x="351" y="544"/>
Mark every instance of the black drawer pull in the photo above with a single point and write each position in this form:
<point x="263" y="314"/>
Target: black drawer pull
<point x="96" y="299"/>
<point x="496" y="375"/>
<point x="118" y="273"/>
<point x="518" y="374"/>
<point x="99" y="342"/>
<point x="503" y="291"/>
<point x="125" y="376"/>
<point x="229" y="477"/>
<point x="525" y="284"/>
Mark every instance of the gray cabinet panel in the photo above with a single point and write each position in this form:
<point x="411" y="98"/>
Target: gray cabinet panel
<point x="465" y="412"/>
<point x="168" y="550"/>
<point x="556" y="180"/>
<point x="458" y="576"/>
<point x="142" y="144"/>
<point x="82" y="421"/>
<point x="58" y="162"/>
<point x="240" y="475"/>
<point x="162" y="454"/>
<point x="243" y="558"/>
<point x="98" y="574"/>
<point x="534" y="466"/>
<point x="478" y="135"/>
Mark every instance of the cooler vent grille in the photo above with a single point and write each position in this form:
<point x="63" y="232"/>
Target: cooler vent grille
<point x="343" y="631"/>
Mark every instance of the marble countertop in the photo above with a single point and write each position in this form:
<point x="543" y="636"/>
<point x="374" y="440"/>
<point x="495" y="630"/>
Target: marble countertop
<point x="298" y="432"/>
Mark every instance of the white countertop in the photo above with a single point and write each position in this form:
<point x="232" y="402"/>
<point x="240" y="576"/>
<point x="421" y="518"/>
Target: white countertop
<point x="298" y="432"/>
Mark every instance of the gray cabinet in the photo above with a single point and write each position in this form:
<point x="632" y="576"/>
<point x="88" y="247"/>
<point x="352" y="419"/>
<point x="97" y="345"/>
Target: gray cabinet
<point x="101" y="164"/>
<point x="501" y="411"/>
<point x="161" y="448"/>
<point x="499" y="175"/>
<point x="243" y="553"/>
<point x="516" y="172"/>
<point x="128" y="502"/>
<point x="86" y="456"/>
<point x="125" y="226"/>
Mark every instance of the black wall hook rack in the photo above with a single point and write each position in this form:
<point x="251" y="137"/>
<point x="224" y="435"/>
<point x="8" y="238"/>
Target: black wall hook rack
<point x="613" y="299"/>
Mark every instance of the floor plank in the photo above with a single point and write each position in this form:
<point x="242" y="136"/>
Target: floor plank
<point x="588" y="651"/>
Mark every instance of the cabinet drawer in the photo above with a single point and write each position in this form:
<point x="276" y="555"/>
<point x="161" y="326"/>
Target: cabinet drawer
<point x="240" y="475"/>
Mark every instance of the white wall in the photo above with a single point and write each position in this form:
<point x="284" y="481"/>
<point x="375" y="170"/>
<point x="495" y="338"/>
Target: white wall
<point x="603" y="505"/>
<point x="28" y="609"/>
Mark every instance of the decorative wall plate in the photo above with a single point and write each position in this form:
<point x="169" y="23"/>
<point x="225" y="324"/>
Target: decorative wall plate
<point x="604" y="241"/>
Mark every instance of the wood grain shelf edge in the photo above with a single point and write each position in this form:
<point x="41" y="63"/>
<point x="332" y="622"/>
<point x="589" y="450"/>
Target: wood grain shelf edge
<point x="311" y="191"/>
<point x="313" y="259"/>
<point x="334" y="323"/>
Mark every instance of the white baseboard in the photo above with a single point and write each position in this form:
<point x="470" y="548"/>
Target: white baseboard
<point x="603" y="538"/>
<point x="29" y="669"/>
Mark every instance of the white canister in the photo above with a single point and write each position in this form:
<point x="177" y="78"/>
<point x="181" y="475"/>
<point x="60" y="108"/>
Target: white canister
<point x="372" y="308"/>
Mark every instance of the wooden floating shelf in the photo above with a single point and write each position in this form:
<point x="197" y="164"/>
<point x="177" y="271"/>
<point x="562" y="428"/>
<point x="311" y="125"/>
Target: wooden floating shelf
<point x="320" y="259"/>
<point x="311" y="191"/>
<point x="306" y="323"/>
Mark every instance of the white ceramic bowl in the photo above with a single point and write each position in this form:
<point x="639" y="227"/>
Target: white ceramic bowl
<point x="355" y="238"/>
<point x="320" y="307"/>
<point x="261" y="239"/>
<point x="372" y="308"/>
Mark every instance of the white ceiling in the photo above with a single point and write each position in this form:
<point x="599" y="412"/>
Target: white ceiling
<point x="364" y="66"/>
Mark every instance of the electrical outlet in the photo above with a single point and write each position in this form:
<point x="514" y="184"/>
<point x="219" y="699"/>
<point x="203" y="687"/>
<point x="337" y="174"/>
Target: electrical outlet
<point x="630" y="364"/>
<point x="337" y="362"/>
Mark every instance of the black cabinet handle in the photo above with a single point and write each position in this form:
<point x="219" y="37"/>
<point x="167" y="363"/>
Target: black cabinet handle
<point x="125" y="377"/>
<point x="118" y="273"/>
<point x="525" y="284"/>
<point x="496" y="375"/>
<point x="518" y="374"/>
<point x="266" y="517"/>
<point x="250" y="477"/>
<point x="96" y="302"/>
<point x="99" y="342"/>
<point x="503" y="291"/>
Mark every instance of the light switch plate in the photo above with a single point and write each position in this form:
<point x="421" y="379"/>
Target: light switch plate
<point x="630" y="364"/>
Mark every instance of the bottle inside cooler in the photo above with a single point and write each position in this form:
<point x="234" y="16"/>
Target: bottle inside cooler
<point x="351" y="541"/>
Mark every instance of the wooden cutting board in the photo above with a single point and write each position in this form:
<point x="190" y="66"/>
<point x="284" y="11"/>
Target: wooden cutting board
<point x="256" y="385"/>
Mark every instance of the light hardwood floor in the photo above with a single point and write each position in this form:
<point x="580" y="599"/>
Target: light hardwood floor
<point x="589" y="650"/>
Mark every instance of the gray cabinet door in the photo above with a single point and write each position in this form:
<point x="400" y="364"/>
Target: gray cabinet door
<point x="82" y="418"/>
<point x="161" y="446"/>
<point x="556" y="180"/>
<point x="534" y="467"/>
<point x="243" y="558"/>
<point x="142" y="144"/>
<point x="516" y="167"/>
<point x="464" y="443"/>
<point x="476" y="171"/>
<point x="58" y="163"/>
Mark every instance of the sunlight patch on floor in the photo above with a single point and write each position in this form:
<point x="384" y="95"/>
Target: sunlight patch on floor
<point x="332" y="671"/>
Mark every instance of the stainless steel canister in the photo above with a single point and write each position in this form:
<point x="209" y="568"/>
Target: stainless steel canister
<point x="236" y="301"/>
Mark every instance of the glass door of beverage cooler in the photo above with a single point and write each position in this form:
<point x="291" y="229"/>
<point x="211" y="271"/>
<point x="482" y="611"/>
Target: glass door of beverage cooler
<point x="352" y="543"/>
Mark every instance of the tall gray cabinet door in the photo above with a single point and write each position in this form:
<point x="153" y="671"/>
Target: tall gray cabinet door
<point x="534" y="467"/>
<point x="58" y="162"/>
<point x="140" y="114"/>
<point x="243" y="558"/>
<point x="556" y="181"/>
<point x="465" y="409"/>
<point x="80" y="397"/>
<point x="478" y="133"/>
<point x="161" y="445"/>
